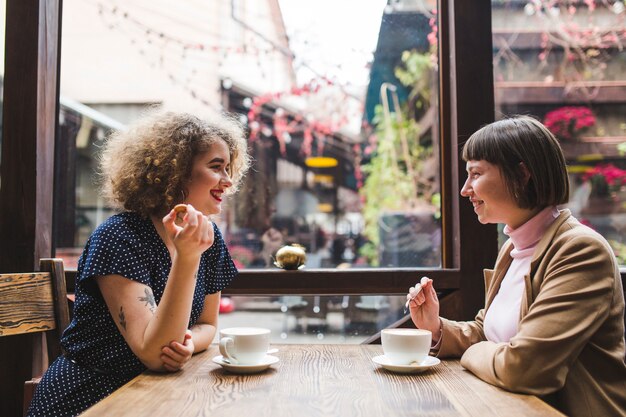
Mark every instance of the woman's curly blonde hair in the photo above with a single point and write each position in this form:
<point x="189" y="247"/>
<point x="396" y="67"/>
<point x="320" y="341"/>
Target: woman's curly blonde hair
<point x="146" y="168"/>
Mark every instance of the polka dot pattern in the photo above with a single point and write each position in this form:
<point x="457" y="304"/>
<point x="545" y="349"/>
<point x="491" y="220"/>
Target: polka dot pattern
<point x="101" y="360"/>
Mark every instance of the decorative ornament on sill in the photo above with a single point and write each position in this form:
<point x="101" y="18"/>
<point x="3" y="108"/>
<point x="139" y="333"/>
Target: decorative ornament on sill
<point x="290" y="257"/>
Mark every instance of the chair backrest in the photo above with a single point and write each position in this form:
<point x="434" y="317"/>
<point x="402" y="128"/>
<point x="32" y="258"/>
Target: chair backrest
<point x="35" y="302"/>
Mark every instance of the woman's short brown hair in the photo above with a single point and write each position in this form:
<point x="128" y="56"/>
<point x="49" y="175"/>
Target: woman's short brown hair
<point x="146" y="168"/>
<point x="522" y="139"/>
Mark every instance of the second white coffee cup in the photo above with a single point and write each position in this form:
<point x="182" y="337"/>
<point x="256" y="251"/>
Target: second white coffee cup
<point x="406" y="346"/>
<point x="244" y="345"/>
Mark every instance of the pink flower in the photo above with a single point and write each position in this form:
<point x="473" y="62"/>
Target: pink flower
<point x="605" y="179"/>
<point x="566" y="122"/>
<point x="432" y="38"/>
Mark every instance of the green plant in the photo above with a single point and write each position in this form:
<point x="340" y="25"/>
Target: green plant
<point x="619" y="249"/>
<point x="394" y="177"/>
<point x="415" y="72"/>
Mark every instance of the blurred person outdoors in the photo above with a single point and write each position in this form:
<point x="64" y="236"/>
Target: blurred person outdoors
<point x="272" y="240"/>
<point x="338" y="247"/>
<point x="553" y="321"/>
<point x="148" y="284"/>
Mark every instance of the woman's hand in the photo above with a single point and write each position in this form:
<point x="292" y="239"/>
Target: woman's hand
<point x="194" y="236"/>
<point x="425" y="308"/>
<point x="176" y="354"/>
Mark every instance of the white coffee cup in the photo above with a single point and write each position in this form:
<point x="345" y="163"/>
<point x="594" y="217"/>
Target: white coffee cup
<point x="406" y="346"/>
<point x="244" y="345"/>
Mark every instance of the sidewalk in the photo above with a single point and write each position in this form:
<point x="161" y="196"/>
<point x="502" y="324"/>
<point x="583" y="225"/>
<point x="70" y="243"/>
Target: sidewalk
<point x="298" y="323"/>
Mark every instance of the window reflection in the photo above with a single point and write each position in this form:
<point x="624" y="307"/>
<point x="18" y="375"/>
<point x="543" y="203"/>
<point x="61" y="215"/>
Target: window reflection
<point x="562" y="62"/>
<point x="354" y="194"/>
<point x="315" y="319"/>
<point x="342" y="126"/>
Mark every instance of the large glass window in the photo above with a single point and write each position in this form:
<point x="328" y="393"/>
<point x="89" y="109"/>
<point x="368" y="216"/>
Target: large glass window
<point x="343" y="127"/>
<point x="564" y="62"/>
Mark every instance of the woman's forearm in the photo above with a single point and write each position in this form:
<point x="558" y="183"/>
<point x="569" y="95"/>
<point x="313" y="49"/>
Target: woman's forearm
<point x="171" y="317"/>
<point x="203" y="334"/>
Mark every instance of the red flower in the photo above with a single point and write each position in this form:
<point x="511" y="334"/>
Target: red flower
<point x="605" y="178"/>
<point x="566" y="122"/>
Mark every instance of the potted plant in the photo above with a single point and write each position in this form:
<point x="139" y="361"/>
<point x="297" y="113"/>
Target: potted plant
<point x="606" y="182"/>
<point x="402" y="223"/>
<point x="570" y="121"/>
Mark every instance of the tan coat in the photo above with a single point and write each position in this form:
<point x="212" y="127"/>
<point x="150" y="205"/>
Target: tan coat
<point x="570" y="344"/>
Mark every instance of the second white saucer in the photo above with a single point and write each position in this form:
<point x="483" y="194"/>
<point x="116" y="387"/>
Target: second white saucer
<point x="427" y="363"/>
<point x="268" y="361"/>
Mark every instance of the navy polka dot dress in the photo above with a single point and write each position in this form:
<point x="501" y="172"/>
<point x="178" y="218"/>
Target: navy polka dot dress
<point x="97" y="359"/>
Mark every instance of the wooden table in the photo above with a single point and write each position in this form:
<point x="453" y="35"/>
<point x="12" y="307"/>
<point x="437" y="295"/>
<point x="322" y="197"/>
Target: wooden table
<point x="316" y="380"/>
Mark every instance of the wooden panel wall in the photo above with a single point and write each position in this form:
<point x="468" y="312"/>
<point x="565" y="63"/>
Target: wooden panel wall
<point x="26" y="192"/>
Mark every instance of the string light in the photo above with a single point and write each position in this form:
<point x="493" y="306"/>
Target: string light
<point x="315" y="132"/>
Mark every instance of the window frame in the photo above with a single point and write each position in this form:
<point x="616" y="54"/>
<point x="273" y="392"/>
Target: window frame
<point x="30" y="103"/>
<point x="30" y="134"/>
<point x="466" y="102"/>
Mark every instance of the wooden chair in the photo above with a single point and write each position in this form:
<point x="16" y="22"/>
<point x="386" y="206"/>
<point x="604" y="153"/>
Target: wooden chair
<point x="35" y="302"/>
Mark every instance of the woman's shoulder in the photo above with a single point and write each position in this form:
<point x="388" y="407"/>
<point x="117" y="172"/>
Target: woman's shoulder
<point x="574" y="236"/>
<point x="217" y="232"/>
<point x="125" y="225"/>
<point x="572" y="228"/>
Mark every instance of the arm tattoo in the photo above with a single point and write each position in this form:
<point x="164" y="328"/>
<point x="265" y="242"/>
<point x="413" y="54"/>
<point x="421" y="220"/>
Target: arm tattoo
<point x="149" y="300"/>
<point x="122" y="318"/>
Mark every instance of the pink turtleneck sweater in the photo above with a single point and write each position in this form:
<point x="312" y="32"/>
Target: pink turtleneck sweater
<point x="502" y="318"/>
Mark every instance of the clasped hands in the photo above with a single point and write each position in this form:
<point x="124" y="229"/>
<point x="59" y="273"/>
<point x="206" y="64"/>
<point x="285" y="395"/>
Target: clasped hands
<point x="176" y="355"/>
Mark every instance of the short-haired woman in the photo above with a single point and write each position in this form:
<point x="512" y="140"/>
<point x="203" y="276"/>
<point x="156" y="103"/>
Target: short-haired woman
<point x="149" y="279"/>
<point x="553" y="322"/>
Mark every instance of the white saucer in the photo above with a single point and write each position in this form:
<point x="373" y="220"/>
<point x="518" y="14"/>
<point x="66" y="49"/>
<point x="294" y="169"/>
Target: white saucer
<point x="246" y="369"/>
<point x="428" y="363"/>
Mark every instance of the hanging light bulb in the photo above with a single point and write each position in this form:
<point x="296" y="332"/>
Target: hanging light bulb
<point x="266" y="131"/>
<point x="227" y="83"/>
<point x="555" y="11"/>
<point x="529" y="9"/>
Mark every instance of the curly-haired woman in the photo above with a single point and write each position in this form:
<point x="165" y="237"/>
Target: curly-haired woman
<point x="148" y="284"/>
